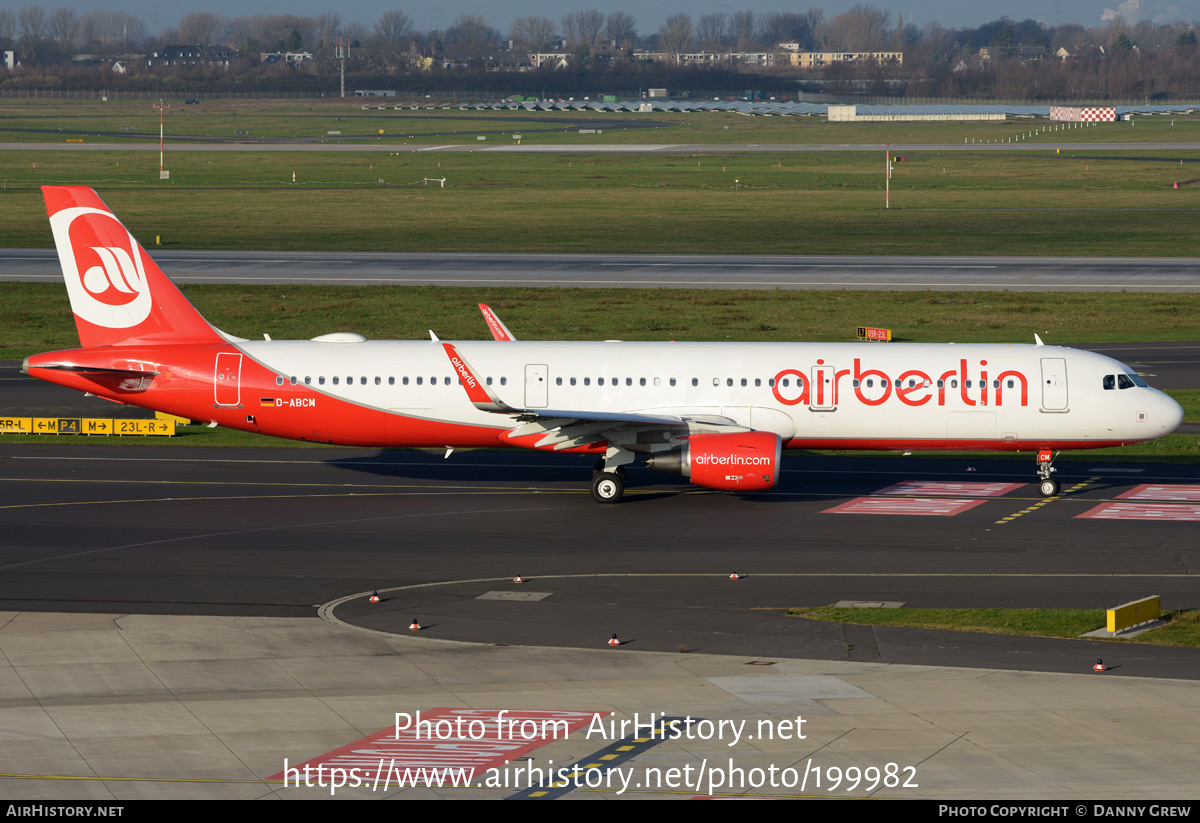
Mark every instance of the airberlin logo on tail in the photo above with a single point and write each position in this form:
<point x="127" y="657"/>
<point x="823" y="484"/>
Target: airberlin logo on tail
<point x="103" y="267"/>
<point x="116" y="275"/>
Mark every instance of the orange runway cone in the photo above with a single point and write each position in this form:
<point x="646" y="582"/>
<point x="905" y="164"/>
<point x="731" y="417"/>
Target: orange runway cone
<point x="1176" y="185"/>
<point x="518" y="579"/>
<point x="374" y="598"/>
<point x="1099" y="667"/>
<point x="613" y="641"/>
<point x="415" y="627"/>
<point x="735" y="576"/>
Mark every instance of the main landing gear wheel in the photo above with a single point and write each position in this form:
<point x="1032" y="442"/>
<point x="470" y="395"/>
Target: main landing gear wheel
<point x="1048" y="487"/>
<point x="598" y="470"/>
<point x="608" y="487"/>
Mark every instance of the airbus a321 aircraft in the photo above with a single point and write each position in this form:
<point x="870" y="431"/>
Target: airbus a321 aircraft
<point x="716" y="413"/>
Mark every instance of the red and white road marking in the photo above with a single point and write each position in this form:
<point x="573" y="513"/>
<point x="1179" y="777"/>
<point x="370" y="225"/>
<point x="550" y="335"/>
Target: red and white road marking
<point x="1150" y="491"/>
<point x="444" y="741"/>
<point x="949" y="488"/>
<point x="930" y="507"/>
<point x="1144" y="511"/>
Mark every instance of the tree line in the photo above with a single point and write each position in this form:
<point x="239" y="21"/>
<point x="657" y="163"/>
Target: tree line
<point x="1024" y="59"/>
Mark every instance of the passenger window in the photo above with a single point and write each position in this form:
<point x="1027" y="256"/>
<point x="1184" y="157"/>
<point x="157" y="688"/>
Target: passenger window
<point x="378" y="381"/>
<point x="629" y="381"/>
<point x="558" y="381"/>
<point x="729" y="381"/>
<point x="941" y="384"/>
<point x="954" y="384"/>
<point x="995" y="384"/>
<point x="786" y="383"/>
<point x="503" y="381"/>
<point x="743" y="381"/>
<point x="587" y="381"/>
<point x="308" y="381"/>
<point x="871" y="383"/>
<point x="321" y="381"/>
<point x="446" y="381"/>
<point x="391" y="381"/>
<point x="572" y="381"/>
<point x="642" y="381"/>
<point x="600" y="382"/>
<point x="757" y="382"/>
<point x="335" y="380"/>
<point x="771" y="382"/>
<point x="1010" y="384"/>
<point x="489" y="381"/>
<point x="695" y="382"/>
<point x="420" y="381"/>
<point x="968" y="384"/>
<point x="279" y="381"/>
<point x="404" y="380"/>
<point x="716" y="381"/>
<point x="293" y="379"/>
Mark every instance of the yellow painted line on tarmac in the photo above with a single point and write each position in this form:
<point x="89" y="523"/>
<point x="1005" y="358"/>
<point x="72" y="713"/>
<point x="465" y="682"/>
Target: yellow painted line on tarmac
<point x="415" y="493"/>
<point x="1046" y="501"/>
<point x="132" y="779"/>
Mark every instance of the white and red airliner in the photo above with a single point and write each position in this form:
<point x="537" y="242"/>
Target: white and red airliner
<point x="716" y="413"/>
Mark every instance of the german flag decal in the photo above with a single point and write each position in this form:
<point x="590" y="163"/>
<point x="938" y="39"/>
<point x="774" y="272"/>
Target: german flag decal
<point x="268" y="402"/>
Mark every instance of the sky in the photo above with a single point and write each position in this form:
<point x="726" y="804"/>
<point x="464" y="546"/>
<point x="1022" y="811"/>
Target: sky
<point x="650" y="14"/>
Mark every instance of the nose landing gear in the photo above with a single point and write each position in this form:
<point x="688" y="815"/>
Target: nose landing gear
<point x="1047" y="485"/>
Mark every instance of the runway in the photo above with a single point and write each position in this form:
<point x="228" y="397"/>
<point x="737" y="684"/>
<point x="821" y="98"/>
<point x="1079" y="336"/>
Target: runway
<point x="277" y="532"/>
<point x="651" y="271"/>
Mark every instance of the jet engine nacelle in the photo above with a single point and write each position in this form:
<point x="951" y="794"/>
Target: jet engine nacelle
<point x="745" y="461"/>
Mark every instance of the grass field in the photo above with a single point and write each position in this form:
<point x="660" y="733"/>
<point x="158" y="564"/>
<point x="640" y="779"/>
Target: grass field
<point x="952" y="204"/>
<point x="1182" y="630"/>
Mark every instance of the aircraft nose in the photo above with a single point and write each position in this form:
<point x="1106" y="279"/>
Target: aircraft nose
<point x="1171" y="414"/>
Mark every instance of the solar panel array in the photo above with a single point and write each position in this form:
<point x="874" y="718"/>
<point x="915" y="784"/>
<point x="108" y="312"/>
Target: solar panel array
<point x="796" y="109"/>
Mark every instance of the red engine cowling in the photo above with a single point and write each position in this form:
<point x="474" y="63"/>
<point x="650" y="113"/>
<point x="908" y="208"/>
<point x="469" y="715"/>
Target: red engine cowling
<point x="746" y="461"/>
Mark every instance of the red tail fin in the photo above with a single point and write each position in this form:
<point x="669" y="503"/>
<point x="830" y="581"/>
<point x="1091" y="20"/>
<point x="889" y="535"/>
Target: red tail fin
<point x="118" y="294"/>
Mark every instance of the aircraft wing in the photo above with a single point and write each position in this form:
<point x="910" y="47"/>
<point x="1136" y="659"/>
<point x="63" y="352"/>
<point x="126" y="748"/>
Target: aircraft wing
<point x="562" y="428"/>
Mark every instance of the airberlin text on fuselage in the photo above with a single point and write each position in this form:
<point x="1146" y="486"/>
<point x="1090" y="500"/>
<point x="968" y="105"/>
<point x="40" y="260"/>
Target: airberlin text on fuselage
<point x="925" y="387"/>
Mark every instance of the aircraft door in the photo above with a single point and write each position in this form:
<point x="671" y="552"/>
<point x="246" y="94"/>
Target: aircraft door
<point x="822" y="393"/>
<point x="227" y="379"/>
<point x="536" y="386"/>
<point x="1054" y="384"/>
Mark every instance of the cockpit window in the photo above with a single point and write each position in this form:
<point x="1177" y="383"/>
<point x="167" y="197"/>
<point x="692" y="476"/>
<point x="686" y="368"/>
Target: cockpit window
<point x="1110" y="382"/>
<point x="1124" y="382"/>
<point x="1137" y="381"/>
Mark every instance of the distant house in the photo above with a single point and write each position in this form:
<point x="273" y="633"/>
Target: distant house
<point x="821" y="59"/>
<point x="189" y="55"/>
<point x="10" y="59"/>
<point x="1026" y="54"/>
<point x="554" y="60"/>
